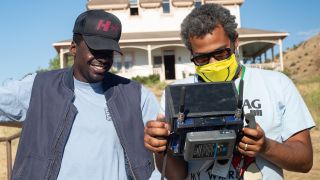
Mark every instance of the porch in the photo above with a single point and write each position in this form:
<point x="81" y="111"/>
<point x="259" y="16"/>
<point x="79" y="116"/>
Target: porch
<point x="146" y="53"/>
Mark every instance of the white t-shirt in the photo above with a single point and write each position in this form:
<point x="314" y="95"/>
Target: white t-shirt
<point x="93" y="149"/>
<point x="280" y="111"/>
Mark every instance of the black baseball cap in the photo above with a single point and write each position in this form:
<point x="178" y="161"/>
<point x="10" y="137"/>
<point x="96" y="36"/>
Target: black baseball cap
<point x="100" y="30"/>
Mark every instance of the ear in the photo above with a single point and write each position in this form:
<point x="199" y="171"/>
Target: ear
<point x="191" y="51"/>
<point x="236" y="40"/>
<point x="73" y="48"/>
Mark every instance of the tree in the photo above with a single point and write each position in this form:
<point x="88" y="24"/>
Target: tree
<point x="55" y="63"/>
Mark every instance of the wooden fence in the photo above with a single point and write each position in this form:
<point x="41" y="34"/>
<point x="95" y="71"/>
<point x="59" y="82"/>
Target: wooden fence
<point x="8" y="141"/>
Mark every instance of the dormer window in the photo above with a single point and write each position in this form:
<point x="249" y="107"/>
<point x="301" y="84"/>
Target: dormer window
<point x="134" y="10"/>
<point x="166" y="6"/>
<point x="197" y="3"/>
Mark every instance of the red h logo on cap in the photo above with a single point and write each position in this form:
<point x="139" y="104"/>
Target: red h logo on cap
<point x="103" y="24"/>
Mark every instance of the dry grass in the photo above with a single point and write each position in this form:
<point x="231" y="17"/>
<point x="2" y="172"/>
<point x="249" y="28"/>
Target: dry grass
<point x="310" y="91"/>
<point x="302" y="62"/>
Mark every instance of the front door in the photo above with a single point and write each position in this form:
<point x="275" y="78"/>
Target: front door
<point x="169" y="66"/>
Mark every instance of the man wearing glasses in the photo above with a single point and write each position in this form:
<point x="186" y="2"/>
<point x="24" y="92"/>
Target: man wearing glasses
<point x="281" y="139"/>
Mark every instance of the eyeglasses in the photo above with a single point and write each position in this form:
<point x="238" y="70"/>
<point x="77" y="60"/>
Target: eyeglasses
<point x="201" y="59"/>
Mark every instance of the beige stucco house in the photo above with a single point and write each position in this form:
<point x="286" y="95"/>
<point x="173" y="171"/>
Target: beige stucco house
<point x="151" y="44"/>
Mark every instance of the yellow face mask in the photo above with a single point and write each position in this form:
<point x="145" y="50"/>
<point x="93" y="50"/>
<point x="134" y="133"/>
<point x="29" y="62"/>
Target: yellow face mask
<point x="223" y="70"/>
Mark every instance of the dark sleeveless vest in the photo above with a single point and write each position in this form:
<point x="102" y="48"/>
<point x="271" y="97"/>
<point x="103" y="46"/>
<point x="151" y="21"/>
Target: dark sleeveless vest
<point x="50" y="118"/>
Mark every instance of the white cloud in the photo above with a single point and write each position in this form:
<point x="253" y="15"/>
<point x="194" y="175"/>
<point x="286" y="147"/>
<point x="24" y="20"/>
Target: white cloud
<point x="309" y="33"/>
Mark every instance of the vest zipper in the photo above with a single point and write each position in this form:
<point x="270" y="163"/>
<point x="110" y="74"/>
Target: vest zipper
<point x="125" y="151"/>
<point x="55" y="149"/>
<point x="130" y="167"/>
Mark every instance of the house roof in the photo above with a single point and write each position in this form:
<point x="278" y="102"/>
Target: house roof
<point x="150" y="3"/>
<point x="124" y="4"/>
<point x="249" y="32"/>
<point x="224" y="2"/>
<point x="149" y="36"/>
<point x="182" y="3"/>
<point x="175" y="35"/>
<point x="108" y="4"/>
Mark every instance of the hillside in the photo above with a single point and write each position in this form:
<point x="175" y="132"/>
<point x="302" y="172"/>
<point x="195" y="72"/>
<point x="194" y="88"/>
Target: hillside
<point x="302" y="62"/>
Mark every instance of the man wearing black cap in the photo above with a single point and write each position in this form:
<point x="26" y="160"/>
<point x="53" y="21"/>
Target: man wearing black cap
<point x="82" y="122"/>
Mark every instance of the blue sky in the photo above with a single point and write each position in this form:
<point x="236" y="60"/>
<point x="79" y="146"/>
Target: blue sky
<point x="29" y="28"/>
<point x="300" y="18"/>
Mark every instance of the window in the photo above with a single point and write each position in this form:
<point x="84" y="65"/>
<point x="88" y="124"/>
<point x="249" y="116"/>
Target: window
<point x="133" y="3"/>
<point x="157" y="61"/>
<point x="122" y="63"/>
<point x="128" y="61"/>
<point x="134" y="10"/>
<point x="197" y="3"/>
<point x="166" y="6"/>
<point x="117" y="64"/>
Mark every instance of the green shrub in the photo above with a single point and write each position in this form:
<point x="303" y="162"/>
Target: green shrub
<point x="148" y="80"/>
<point x="292" y="64"/>
<point x="287" y="72"/>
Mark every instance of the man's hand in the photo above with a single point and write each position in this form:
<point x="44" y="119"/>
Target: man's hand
<point x="155" y="139"/>
<point x="253" y="141"/>
<point x="155" y="133"/>
<point x="294" y="154"/>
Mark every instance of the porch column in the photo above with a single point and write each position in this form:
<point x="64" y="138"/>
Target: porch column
<point x="280" y="54"/>
<point x="63" y="59"/>
<point x="149" y="56"/>
<point x="272" y="54"/>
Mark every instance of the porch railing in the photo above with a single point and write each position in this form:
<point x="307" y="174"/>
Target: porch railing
<point x="8" y="141"/>
<point x="272" y="65"/>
